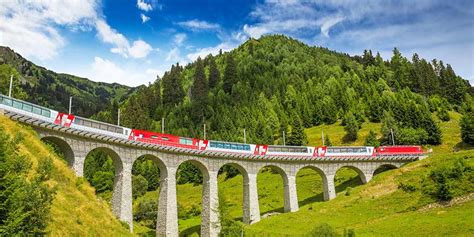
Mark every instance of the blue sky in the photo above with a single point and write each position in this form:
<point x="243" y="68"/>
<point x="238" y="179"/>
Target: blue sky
<point x="131" y="41"/>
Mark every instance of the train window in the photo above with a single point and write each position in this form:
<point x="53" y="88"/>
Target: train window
<point x="46" y="113"/>
<point x="126" y="132"/>
<point x="37" y="110"/>
<point x="27" y="107"/>
<point x="154" y="136"/>
<point x="17" y="105"/>
<point x="247" y="147"/>
<point x="234" y="146"/>
<point x="165" y="139"/>
<point x="226" y="146"/>
<point x="7" y="102"/>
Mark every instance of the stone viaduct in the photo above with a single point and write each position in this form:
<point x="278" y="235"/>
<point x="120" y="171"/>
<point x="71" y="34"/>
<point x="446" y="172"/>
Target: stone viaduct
<point x="76" y="145"/>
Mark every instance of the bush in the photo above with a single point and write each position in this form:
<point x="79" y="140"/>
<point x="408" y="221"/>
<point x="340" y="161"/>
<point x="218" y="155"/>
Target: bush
<point x="103" y="181"/>
<point x="139" y="186"/>
<point x="371" y="139"/>
<point x="450" y="180"/>
<point x="351" y="127"/>
<point x="24" y="201"/>
<point x="323" y="230"/>
<point x="443" y="114"/>
<point x="407" y="187"/>
<point x="467" y="128"/>
<point x="146" y="213"/>
<point x="411" y="136"/>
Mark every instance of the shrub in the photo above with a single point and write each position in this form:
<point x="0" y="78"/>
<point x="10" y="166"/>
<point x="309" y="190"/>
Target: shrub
<point x="467" y="128"/>
<point x="103" y="181"/>
<point x="146" y="213"/>
<point x="323" y="230"/>
<point x="139" y="186"/>
<point x="407" y="187"/>
<point x="443" y="114"/>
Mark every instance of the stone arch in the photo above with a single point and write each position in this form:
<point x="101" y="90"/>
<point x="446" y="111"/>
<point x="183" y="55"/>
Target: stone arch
<point x="289" y="188"/>
<point x="363" y="177"/>
<point x="324" y="184"/>
<point x="121" y="180"/>
<point x="248" y="192"/>
<point x="383" y="167"/>
<point x="210" y="225"/>
<point x="63" y="146"/>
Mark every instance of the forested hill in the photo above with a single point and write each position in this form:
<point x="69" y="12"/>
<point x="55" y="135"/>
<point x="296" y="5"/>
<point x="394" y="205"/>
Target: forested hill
<point x="276" y="84"/>
<point x="42" y="86"/>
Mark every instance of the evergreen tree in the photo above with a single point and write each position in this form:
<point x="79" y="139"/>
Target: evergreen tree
<point x="297" y="136"/>
<point x="351" y="127"/>
<point x="389" y="126"/>
<point x="230" y="74"/>
<point x="327" y="140"/>
<point x="173" y="92"/>
<point x="199" y="91"/>
<point x="214" y="74"/>
<point x="371" y="139"/>
<point x="467" y="128"/>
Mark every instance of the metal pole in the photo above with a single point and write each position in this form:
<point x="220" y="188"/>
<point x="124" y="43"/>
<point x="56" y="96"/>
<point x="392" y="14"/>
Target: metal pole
<point x="393" y="139"/>
<point x="204" y="131"/>
<point x="118" y="118"/>
<point x="70" y="104"/>
<point x="11" y="84"/>
<point x="162" y="125"/>
<point x="322" y="136"/>
<point x="284" y="144"/>
<point x="245" y="137"/>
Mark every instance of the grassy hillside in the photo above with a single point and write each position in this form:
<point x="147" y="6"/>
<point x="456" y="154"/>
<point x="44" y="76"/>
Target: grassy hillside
<point x="75" y="210"/>
<point x="378" y="208"/>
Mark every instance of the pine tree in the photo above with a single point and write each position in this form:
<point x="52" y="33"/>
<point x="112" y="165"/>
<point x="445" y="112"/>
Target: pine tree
<point x="173" y="92"/>
<point x="214" y="74"/>
<point x="297" y="136"/>
<point x="371" y="139"/>
<point x="351" y="127"/>
<point x="467" y="128"/>
<point x="389" y="125"/>
<point x="327" y="140"/>
<point x="230" y="74"/>
<point x="199" y="91"/>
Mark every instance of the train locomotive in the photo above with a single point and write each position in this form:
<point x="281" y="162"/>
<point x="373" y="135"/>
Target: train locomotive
<point x="89" y="125"/>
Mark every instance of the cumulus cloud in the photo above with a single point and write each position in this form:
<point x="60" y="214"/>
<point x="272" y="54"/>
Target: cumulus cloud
<point x="142" y="5"/>
<point x="144" y="18"/>
<point x="33" y="28"/>
<point x="197" y="25"/>
<point x="29" y="28"/>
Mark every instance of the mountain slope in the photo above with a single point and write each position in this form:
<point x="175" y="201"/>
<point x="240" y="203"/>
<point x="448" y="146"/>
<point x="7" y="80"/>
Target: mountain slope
<point x="75" y="210"/>
<point x="50" y="89"/>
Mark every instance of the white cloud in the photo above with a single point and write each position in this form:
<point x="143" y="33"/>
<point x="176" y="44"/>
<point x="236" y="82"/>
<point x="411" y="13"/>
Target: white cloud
<point x="144" y="18"/>
<point x="104" y="70"/>
<point x="197" y="25"/>
<point x="142" y="5"/>
<point x="154" y="72"/>
<point x="203" y="52"/>
<point x="179" y="38"/>
<point x="139" y="48"/>
<point x="30" y="27"/>
<point x="330" y="22"/>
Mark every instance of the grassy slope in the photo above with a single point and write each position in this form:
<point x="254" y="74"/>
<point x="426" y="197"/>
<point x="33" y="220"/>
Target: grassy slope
<point x="377" y="208"/>
<point x="75" y="210"/>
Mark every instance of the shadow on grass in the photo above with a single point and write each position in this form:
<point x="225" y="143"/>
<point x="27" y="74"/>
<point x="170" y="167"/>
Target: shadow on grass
<point x="462" y="146"/>
<point x="193" y="230"/>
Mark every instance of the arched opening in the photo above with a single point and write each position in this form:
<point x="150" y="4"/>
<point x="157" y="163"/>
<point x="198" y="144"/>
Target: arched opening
<point x="146" y="172"/>
<point x="231" y="198"/>
<point x="348" y="177"/>
<point x="309" y="183"/>
<point x="61" y="148"/>
<point x="384" y="168"/>
<point x="189" y="193"/>
<point x="102" y="167"/>
<point x="271" y="193"/>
